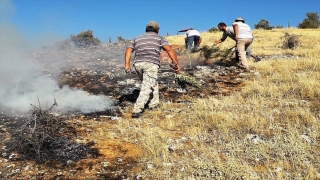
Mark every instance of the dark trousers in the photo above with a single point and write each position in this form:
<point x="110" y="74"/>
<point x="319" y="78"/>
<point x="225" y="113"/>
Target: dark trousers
<point x="195" y="41"/>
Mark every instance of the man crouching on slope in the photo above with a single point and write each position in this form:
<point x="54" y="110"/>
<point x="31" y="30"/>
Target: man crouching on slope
<point x="146" y="62"/>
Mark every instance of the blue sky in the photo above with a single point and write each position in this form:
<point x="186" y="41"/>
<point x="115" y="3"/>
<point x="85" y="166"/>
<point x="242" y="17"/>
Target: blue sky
<point x="58" y="19"/>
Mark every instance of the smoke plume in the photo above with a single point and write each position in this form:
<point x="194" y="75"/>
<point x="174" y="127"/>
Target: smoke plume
<point x="22" y="83"/>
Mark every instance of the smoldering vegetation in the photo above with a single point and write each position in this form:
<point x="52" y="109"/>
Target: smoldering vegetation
<point x="33" y="98"/>
<point x="30" y="76"/>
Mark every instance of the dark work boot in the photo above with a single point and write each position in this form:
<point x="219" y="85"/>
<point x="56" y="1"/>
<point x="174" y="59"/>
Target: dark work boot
<point x="257" y="59"/>
<point x="136" y="115"/>
<point x="155" y="107"/>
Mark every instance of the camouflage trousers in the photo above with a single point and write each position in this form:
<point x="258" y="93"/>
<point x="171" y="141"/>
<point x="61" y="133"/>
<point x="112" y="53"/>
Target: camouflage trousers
<point x="148" y="74"/>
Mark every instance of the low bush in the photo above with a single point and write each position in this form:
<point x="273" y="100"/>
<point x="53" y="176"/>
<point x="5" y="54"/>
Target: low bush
<point x="290" y="41"/>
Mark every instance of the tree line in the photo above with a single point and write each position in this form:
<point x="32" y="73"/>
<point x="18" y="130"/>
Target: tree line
<point x="311" y="21"/>
<point x="86" y="38"/>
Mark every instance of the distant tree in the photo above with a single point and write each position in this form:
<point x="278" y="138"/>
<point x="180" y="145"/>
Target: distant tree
<point x="263" y="24"/>
<point x="84" y="39"/>
<point x="213" y="29"/>
<point x="312" y="21"/>
<point x="122" y="40"/>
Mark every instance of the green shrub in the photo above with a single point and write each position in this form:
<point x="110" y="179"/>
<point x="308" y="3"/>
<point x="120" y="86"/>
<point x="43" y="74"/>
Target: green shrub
<point x="312" y="21"/>
<point x="122" y="40"/>
<point x="263" y="24"/>
<point x="213" y="29"/>
<point x="84" y="39"/>
<point x="208" y="52"/>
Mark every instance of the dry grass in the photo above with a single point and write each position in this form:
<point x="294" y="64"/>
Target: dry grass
<point x="268" y="130"/>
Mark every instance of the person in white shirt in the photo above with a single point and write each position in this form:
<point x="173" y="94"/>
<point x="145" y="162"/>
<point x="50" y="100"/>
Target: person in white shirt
<point x="192" y="36"/>
<point x="242" y="34"/>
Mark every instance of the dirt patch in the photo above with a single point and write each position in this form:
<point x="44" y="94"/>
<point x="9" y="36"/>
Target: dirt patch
<point x="115" y="149"/>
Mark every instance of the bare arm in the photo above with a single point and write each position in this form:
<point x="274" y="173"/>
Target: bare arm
<point x="224" y="36"/>
<point x="235" y="30"/>
<point x="217" y="42"/>
<point x="173" y="57"/>
<point x="186" y="41"/>
<point x="200" y="40"/>
<point x="127" y="58"/>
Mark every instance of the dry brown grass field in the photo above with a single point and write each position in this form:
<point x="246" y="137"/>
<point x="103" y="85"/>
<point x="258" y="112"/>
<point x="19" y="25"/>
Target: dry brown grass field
<point x="269" y="129"/>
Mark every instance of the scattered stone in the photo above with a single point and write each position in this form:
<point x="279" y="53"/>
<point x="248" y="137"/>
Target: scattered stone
<point x="256" y="73"/>
<point x="203" y="67"/>
<point x="71" y="163"/>
<point x="16" y="170"/>
<point x="149" y="166"/>
<point x="26" y="168"/>
<point x="242" y="75"/>
<point x="255" y="139"/>
<point x="14" y="156"/>
<point x="306" y="138"/>
<point x="114" y="118"/>
<point x="215" y="74"/>
<point x="278" y="169"/>
<point x="238" y="79"/>
<point x="223" y="74"/>
<point x="169" y="116"/>
<point x="168" y="164"/>
<point x="105" y="164"/>
<point x="278" y="56"/>
<point x="181" y="90"/>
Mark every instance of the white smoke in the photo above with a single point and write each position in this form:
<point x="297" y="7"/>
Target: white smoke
<point x="22" y="84"/>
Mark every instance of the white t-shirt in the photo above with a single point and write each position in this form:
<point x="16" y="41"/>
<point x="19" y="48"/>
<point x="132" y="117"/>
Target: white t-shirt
<point x="228" y="33"/>
<point x="192" y="32"/>
<point x="244" y="31"/>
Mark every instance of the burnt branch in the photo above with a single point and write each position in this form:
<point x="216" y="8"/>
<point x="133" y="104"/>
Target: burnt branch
<point x="37" y="129"/>
<point x="42" y="137"/>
